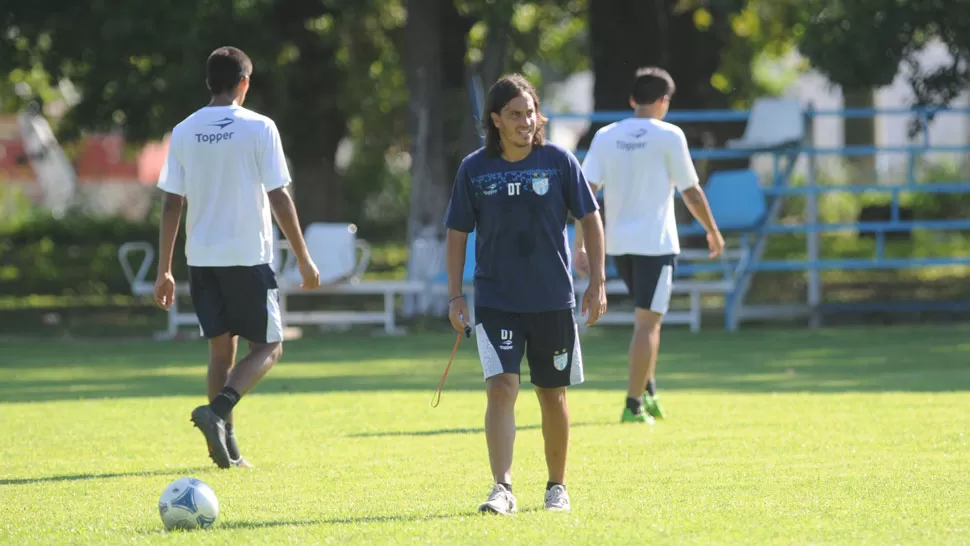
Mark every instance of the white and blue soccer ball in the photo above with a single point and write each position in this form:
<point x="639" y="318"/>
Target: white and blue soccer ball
<point x="188" y="503"/>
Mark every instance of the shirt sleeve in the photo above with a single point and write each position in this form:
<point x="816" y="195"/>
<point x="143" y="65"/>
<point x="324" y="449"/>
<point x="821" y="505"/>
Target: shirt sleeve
<point x="593" y="162"/>
<point x="461" y="208"/>
<point x="272" y="162"/>
<point x="679" y="163"/>
<point x="172" y="177"/>
<point x="579" y="196"/>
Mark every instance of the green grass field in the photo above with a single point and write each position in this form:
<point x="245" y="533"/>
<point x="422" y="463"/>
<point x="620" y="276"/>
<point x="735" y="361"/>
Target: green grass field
<point x="847" y="436"/>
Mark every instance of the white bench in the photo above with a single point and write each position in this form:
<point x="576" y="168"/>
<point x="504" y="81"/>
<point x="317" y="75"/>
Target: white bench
<point x="694" y="288"/>
<point x="141" y="286"/>
<point x="690" y="316"/>
<point x="334" y="248"/>
<point x="342" y="260"/>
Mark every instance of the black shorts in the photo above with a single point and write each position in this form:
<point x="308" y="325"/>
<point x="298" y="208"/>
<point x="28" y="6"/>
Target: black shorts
<point x="649" y="279"/>
<point x="549" y="341"/>
<point x="239" y="300"/>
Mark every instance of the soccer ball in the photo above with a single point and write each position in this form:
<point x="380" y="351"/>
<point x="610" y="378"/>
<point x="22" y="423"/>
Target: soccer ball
<point x="188" y="503"/>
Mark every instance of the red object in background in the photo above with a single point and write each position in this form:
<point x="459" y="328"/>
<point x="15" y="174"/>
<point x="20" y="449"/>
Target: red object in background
<point x="99" y="158"/>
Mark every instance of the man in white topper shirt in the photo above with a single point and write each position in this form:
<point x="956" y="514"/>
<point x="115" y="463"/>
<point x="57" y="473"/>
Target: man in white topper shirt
<point x="226" y="165"/>
<point x="638" y="162"/>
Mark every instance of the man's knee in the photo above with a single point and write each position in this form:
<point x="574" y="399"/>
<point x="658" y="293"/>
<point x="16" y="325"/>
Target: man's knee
<point x="276" y="350"/>
<point x="502" y="388"/>
<point x="222" y="350"/>
<point x="647" y="321"/>
<point x="272" y="351"/>
<point x="551" y="397"/>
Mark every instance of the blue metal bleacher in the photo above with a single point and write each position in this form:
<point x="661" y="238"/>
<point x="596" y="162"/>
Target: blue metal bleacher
<point x="747" y="207"/>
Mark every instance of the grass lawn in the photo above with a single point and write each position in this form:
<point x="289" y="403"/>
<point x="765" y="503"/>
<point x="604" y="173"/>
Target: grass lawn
<point x="845" y="436"/>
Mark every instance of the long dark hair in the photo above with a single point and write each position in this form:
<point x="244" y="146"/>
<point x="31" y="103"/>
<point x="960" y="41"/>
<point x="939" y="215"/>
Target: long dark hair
<point x="503" y="91"/>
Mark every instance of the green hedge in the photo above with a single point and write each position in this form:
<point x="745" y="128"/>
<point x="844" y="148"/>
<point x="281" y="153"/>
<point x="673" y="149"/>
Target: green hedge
<point x="75" y="256"/>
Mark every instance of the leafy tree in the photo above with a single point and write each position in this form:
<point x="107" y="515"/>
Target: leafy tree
<point x="139" y="66"/>
<point x="688" y="38"/>
<point x="863" y="43"/>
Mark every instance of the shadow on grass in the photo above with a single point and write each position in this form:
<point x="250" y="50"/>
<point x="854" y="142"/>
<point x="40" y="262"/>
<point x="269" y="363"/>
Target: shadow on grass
<point x="246" y="524"/>
<point x="445" y="431"/>
<point x="82" y="477"/>
<point x="918" y="359"/>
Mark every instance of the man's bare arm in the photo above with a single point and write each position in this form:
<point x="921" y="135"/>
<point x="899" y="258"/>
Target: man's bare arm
<point x="696" y="203"/>
<point x="168" y="230"/>
<point x="592" y="225"/>
<point x="285" y="212"/>
<point x="456" y="243"/>
<point x="579" y="239"/>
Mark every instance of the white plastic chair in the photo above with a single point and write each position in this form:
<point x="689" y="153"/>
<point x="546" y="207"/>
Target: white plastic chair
<point x="334" y="249"/>
<point x="773" y="123"/>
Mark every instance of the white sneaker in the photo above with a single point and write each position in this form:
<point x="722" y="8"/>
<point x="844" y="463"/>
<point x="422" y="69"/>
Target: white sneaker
<point x="501" y="501"/>
<point x="557" y="499"/>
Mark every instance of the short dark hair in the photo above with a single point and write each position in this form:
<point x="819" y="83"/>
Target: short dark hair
<point x="225" y="68"/>
<point x="651" y="84"/>
<point x="503" y="91"/>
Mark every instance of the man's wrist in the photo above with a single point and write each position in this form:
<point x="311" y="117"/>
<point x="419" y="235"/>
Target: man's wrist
<point x="304" y="257"/>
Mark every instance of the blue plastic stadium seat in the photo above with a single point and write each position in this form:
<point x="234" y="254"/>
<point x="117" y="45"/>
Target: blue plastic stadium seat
<point x="468" y="276"/>
<point x="571" y="236"/>
<point x="736" y="199"/>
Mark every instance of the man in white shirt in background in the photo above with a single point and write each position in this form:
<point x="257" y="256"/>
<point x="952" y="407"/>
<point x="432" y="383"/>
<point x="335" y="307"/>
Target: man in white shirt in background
<point x="226" y="164"/>
<point x="638" y="162"/>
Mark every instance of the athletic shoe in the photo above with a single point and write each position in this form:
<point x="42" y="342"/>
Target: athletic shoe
<point x="501" y="502"/>
<point x="630" y="417"/>
<point x="557" y="499"/>
<point x="652" y="405"/>
<point x="213" y="428"/>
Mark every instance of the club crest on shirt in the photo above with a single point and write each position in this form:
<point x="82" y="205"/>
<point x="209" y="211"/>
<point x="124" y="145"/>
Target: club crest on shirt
<point x="540" y="186"/>
<point x="560" y="359"/>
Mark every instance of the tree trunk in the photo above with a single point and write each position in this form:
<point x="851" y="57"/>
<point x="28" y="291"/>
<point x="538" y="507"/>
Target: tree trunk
<point x="439" y="119"/>
<point x="629" y="34"/>
<point x="316" y="190"/>
<point x="423" y="66"/>
<point x="440" y="109"/>
<point x="460" y="134"/>
<point x="860" y="132"/>
<point x="313" y="128"/>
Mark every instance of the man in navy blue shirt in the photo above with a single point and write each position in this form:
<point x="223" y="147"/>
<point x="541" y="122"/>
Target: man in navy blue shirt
<point x="517" y="193"/>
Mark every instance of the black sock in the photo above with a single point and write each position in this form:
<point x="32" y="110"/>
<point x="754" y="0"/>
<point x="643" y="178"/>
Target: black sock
<point x="635" y="405"/>
<point x="223" y="403"/>
<point x="652" y="387"/>
<point x="231" y="442"/>
<point x="506" y="485"/>
<point x="549" y="485"/>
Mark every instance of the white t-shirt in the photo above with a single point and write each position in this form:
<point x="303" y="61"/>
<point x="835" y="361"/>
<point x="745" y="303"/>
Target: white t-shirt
<point x="639" y="162"/>
<point x="224" y="160"/>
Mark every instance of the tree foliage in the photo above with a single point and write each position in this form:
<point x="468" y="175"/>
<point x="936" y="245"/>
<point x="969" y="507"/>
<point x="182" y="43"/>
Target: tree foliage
<point x="332" y="71"/>
<point x="863" y="43"/>
<point x="140" y="68"/>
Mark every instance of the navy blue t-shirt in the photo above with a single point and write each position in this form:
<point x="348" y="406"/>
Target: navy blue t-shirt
<point x="519" y="211"/>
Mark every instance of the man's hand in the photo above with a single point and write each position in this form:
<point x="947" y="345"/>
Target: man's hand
<point x="310" y="274"/>
<point x="458" y="313"/>
<point x="581" y="262"/>
<point x="715" y="242"/>
<point x="594" y="301"/>
<point x="165" y="290"/>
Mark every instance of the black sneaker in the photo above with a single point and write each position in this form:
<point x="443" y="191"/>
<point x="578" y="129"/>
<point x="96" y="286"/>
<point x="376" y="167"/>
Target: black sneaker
<point x="213" y="428"/>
